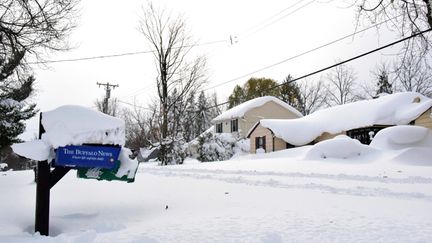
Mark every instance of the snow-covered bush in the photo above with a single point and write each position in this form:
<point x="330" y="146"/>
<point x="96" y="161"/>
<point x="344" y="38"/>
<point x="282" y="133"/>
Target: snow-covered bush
<point x="178" y="151"/>
<point x="3" y="166"/>
<point x="210" y="146"/>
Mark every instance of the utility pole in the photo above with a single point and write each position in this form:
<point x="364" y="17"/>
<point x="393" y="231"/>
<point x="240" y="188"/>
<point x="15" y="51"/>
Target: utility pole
<point x="108" y="87"/>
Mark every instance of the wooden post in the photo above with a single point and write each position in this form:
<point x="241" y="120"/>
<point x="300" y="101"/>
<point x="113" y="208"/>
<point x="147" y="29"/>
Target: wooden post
<point x="42" y="198"/>
<point x="42" y="192"/>
<point x="45" y="180"/>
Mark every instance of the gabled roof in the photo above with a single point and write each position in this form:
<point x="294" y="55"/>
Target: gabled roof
<point x="394" y="109"/>
<point x="240" y="110"/>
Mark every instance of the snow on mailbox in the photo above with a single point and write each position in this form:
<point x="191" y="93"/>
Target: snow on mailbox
<point x="81" y="138"/>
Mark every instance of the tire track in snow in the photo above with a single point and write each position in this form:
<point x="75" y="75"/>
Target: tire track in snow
<point x="240" y="178"/>
<point x="337" y="177"/>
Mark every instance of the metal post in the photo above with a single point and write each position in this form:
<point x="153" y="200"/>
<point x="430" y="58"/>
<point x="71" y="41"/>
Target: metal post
<point x="42" y="192"/>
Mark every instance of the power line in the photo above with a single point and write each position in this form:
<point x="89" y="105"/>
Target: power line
<point x="326" y="68"/>
<point x="282" y="17"/>
<point x="273" y="16"/>
<point x="299" y="55"/>
<point x="120" y="54"/>
<point x="134" y="93"/>
<point x="127" y="103"/>
<point x="337" y="64"/>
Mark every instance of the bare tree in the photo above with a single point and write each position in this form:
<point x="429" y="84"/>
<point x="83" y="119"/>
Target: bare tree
<point x="137" y="128"/>
<point x="32" y="27"/>
<point x="341" y="84"/>
<point x="414" y="73"/>
<point x="113" y="108"/>
<point x="410" y="15"/>
<point x="312" y="95"/>
<point x="168" y="36"/>
<point x="405" y="17"/>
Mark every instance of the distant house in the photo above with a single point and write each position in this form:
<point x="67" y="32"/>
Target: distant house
<point x="360" y="120"/>
<point x="242" y="118"/>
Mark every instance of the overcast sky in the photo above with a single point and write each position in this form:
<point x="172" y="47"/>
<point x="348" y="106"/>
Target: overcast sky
<point x="110" y="27"/>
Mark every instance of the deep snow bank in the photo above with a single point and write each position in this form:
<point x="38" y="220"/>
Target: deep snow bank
<point x="401" y="137"/>
<point x="413" y="144"/>
<point x="410" y="145"/>
<point x="340" y="147"/>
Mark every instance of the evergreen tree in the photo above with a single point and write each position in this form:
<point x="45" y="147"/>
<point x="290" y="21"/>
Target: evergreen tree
<point x="202" y="120"/>
<point x="290" y="93"/>
<point x="14" y="110"/>
<point x="215" y="109"/>
<point x="189" y="118"/>
<point x="175" y="114"/>
<point x="383" y="84"/>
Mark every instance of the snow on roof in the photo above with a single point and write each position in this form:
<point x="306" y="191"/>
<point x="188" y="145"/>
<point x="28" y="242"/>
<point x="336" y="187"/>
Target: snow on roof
<point x="395" y="109"/>
<point x="240" y="110"/>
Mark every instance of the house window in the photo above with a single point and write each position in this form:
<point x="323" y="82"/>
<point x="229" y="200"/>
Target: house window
<point x="366" y="134"/>
<point x="234" y="125"/>
<point x="219" y="128"/>
<point x="260" y="143"/>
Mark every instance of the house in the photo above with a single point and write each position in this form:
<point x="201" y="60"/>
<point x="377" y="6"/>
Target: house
<point x="360" y="120"/>
<point x="242" y="118"/>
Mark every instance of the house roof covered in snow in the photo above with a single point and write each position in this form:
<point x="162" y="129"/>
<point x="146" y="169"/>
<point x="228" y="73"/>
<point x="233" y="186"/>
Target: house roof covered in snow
<point x="240" y="110"/>
<point x="394" y="109"/>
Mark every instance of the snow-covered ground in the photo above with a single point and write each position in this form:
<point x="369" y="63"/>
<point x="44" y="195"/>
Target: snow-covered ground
<point x="376" y="196"/>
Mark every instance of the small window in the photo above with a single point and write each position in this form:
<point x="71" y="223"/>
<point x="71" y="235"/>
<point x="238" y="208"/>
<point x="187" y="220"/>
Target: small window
<point x="219" y="128"/>
<point x="260" y="143"/>
<point x="234" y="125"/>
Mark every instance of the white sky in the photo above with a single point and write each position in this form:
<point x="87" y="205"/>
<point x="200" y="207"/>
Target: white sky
<point x="110" y="27"/>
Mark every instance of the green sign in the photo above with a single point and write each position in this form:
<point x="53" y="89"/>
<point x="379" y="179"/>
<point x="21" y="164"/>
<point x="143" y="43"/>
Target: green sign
<point x="103" y="174"/>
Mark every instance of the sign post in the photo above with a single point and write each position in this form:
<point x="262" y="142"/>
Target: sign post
<point x="99" y="158"/>
<point x="42" y="198"/>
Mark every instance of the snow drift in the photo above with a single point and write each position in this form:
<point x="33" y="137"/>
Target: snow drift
<point x="402" y="137"/>
<point x="413" y="144"/>
<point x="340" y="147"/>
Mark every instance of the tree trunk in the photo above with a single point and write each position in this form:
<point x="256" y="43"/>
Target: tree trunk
<point x="164" y="99"/>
